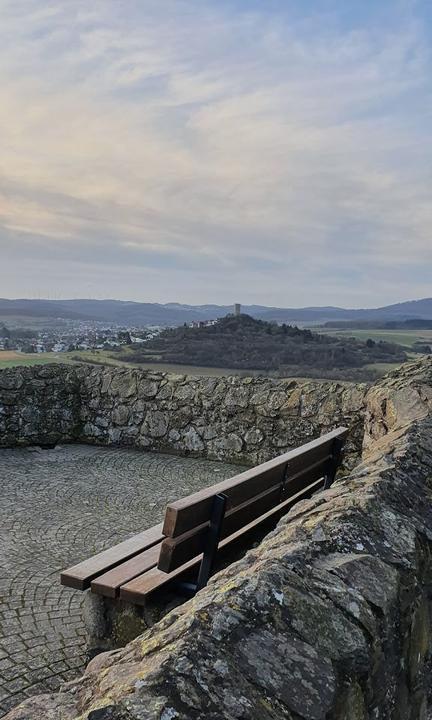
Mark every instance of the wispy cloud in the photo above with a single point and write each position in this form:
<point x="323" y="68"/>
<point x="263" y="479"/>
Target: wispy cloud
<point x="200" y="150"/>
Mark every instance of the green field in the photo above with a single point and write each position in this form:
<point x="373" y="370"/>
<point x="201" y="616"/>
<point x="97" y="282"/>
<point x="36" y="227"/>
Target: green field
<point x="10" y="358"/>
<point x="407" y="338"/>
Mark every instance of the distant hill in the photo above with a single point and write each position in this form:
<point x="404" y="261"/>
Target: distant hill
<point x="170" y="314"/>
<point x="246" y="343"/>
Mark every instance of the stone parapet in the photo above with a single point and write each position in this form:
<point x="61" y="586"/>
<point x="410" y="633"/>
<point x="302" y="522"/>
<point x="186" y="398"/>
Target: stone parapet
<point x="245" y="420"/>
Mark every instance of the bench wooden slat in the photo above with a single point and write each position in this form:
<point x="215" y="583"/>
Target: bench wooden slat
<point x="136" y="590"/>
<point x="256" y="499"/>
<point x="80" y="576"/>
<point x="177" y="551"/>
<point x="185" y="514"/>
<point x="109" y="583"/>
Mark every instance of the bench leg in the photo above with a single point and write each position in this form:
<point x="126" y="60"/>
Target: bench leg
<point x="111" y="623"/>
<point x="94" y="622"/>
<point x="210" y="549"/>
<point x="333" y="463"/>
<point x="212" y="540"/>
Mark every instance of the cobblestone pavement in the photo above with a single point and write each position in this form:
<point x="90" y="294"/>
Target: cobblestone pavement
<point x="58" y="507"/>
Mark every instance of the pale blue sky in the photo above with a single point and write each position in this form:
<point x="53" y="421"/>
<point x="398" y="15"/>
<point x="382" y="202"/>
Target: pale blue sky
<point x="275" y="152"/>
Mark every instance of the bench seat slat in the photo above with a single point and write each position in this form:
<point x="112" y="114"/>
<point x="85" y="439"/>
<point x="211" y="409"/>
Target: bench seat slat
<point x="80" y="576"/>
<point x="136" y="590"/>
<point x="177" y="551"/>
<point x="185" y="514"/>
<point x="109" y="583"/>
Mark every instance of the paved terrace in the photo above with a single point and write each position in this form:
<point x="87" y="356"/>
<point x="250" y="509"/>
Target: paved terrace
<point x="58" y="506"/>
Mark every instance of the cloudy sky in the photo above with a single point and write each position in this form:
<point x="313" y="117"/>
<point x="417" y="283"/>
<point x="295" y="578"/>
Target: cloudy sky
<point x="277" y="151"/>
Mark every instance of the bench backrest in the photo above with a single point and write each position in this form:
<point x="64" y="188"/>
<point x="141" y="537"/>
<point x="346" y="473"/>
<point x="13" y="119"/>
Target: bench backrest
<point x="249" y="495"/>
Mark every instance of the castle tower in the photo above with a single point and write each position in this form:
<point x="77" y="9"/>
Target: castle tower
<point x="237" y="309"/>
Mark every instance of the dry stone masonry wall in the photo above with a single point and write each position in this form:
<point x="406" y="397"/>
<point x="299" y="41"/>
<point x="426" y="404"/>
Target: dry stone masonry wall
<point x="245" y="420"/>
<point x="39" y="405"/>
<point x="329" y="618"/>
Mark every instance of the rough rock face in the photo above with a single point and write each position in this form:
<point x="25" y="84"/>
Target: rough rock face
<point x="244" y="420"/>
<point x="402" y="397"/>
<point x="329" y="618"/>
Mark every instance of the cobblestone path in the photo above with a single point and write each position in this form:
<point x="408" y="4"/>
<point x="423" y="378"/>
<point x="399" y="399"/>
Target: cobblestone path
<point x="57" y="507"/>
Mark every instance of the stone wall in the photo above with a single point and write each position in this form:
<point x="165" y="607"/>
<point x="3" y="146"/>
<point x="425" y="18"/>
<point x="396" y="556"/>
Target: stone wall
<point x="329" y="618"/>
<point x="245" y="420"/>
<point x="39" y="405"/>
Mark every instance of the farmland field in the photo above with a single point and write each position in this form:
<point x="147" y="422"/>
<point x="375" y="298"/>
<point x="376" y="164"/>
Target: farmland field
<point x="11" y="358"/>
<point x="121" y="359"/>
<point x="401" y="337"/>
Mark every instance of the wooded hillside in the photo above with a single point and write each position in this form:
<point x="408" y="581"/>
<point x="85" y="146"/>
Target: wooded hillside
<point x="245" y="343"/>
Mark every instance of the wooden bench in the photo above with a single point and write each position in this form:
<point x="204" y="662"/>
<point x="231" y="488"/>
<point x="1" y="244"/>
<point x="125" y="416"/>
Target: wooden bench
<point x="198" y="530"/>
